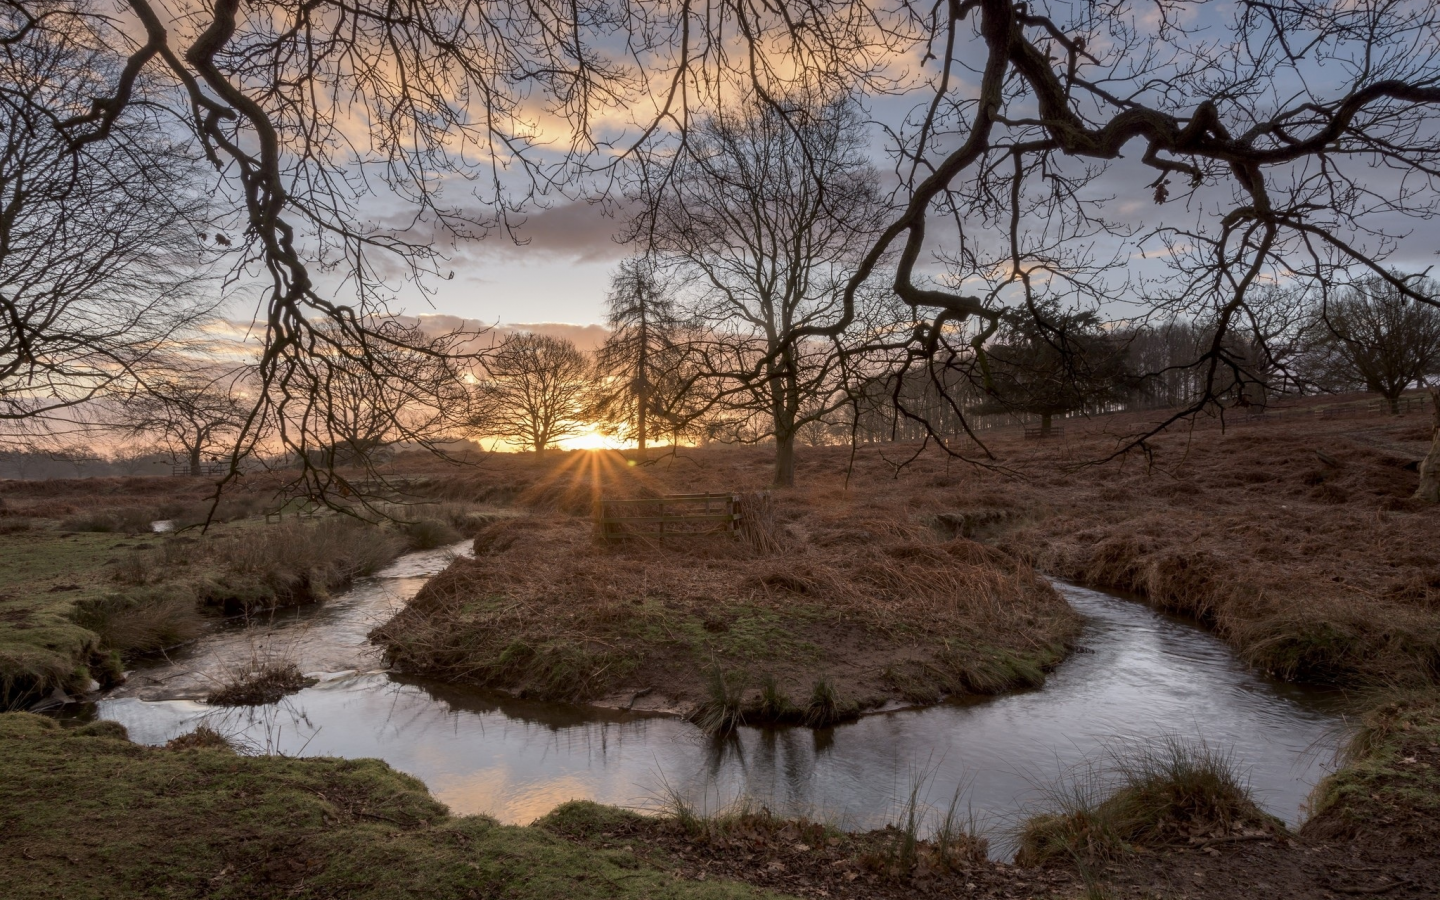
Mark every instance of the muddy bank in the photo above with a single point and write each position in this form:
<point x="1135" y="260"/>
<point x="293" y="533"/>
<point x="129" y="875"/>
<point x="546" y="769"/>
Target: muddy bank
<point x="841" y="615"/>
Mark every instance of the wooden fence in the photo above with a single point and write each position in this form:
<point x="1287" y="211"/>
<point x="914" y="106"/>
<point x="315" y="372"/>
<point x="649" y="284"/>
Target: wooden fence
<point x="1037" y="432"/>
<point x="178" y="469"/>
<point x="674" y="515"/>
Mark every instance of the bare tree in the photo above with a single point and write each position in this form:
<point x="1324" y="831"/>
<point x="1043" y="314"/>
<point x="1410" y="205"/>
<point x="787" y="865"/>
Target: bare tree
<point x="425" y="403"/>
<point x="134" y="458"/>
<point x="537" y="391"/>
<point x="1287" y="138"/>
<point x="1376" y="336"/>
<point x="766" y="213"/>
<point x="98" y="243"/>
<point x="192" y="416"/>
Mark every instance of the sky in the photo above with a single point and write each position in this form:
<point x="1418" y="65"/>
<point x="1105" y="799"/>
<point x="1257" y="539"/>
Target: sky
<point x="561" y="273"/>
<point x="560" y="276"/>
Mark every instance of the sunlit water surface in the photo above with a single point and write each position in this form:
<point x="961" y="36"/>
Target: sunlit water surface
<point x="1144" y="676"/>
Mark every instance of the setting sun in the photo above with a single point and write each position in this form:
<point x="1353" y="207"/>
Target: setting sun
<point x="591" y="439"/>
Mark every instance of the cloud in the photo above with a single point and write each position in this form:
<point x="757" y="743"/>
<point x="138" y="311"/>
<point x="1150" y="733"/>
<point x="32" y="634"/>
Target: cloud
<point x="577" y="231"/>
<point x="573" y="231"/>
<point x="585" y="337"/>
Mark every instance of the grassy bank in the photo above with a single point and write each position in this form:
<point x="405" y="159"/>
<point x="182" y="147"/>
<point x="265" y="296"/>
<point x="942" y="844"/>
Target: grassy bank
<point x="86" y="814"/>
<point x="1294" y="540"/>
<point x="1391" y="777"/>
<point x="75" y="604"/>
<point x="1299" y="546"/>
<point x="837" y="612"/>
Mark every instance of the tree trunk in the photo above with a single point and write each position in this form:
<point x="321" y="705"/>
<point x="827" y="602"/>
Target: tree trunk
<point x="195" y="461"/>
<point x="642" y="396"/>
<point x="784" y="460"/>
<point x="1394" y="404"/>
<point x="1045" y="424"/>
<point x="1429" y="489"/>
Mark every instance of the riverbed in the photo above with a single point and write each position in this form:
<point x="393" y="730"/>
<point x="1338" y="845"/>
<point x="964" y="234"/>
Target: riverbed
<point x="1140" y="677"/>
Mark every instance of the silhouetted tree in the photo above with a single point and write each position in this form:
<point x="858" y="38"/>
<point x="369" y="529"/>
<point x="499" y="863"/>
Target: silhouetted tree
<point x="536" y="392"/>
<point x="99" y="242"/>
<point x="1052" y="362"/>
<point x="637" y="368"/>
<point x="192" y="416"/>
<point x="766" y="214"/>
<point x="1376" y="336"/>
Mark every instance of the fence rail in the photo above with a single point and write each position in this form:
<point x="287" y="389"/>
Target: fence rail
<point x="177" y="469"/>
<point x="1038" y="433"/>
<point x="673" y="515"/>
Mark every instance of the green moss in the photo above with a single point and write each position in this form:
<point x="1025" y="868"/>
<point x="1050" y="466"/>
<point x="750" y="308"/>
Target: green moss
<point x="582" y="819"/>
<point x="70" y="602"/>
<point x="1391" y="772"/>
<point x="89" y="815"/>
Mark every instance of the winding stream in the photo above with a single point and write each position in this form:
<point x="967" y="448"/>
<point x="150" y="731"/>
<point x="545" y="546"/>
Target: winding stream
<point x="1144" y="676"/>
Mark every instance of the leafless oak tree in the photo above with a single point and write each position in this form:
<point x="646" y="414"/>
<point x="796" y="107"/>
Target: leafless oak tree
<point x="1375" y="336"/>
<point x="425" y="403"/>
<point x="765" y="214"/>
<point x="99" y="242"/>
<point x="191" y="415"/>
<point x="536" y="392"/>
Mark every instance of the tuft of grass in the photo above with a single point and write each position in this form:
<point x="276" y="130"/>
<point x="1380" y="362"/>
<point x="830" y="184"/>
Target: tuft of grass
<point x="722" y="711"/>
<point x="1163" y="794"/>
<point x="826" y="708"/>
<point x="774" y="706"/>
<point x="582" y="819"/>
<point x="259" y="684"/>
<point x="202" y="738"/>
<point x="907" y="830"/>
<point x="427" y="534"/>
<point x="954" y="844"/>
<point x="957" y="839"/>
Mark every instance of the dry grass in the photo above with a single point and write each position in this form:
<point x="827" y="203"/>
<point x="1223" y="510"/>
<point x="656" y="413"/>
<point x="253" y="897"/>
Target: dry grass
<point x="839" y="602"/>
<point x="293" y="563"/>
<point x="1297" y="544"/>
<point x="259" y="684"/>
<point x="143" y="620"/>
<point x="1295" y="541"/>
<point x="1149" y="796"/>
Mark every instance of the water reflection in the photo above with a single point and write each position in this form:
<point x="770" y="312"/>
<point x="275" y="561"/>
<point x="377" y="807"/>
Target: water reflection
<point x="1146" y="676"/>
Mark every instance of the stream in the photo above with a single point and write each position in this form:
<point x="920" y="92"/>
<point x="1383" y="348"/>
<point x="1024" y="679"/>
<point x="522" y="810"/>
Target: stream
<point x="1142" y="676"/>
